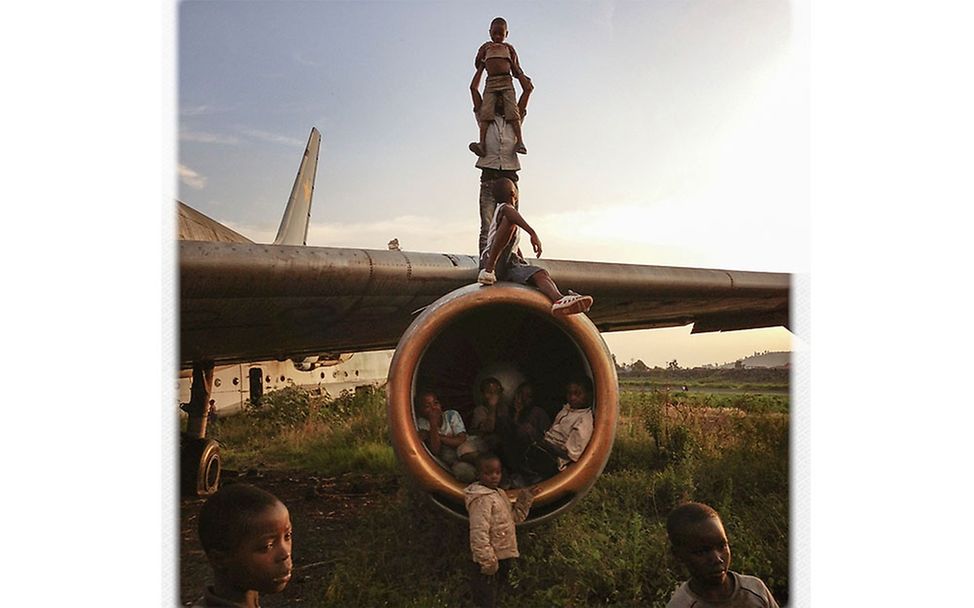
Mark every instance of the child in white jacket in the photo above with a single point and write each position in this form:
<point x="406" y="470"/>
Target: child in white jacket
<point x="493" y="540"/>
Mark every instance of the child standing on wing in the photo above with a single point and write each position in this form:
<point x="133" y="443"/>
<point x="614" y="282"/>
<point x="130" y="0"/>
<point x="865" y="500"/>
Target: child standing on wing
<point x="499" y="60"/>
<point x="493" y="539"/>
<point x="502" y="258"/>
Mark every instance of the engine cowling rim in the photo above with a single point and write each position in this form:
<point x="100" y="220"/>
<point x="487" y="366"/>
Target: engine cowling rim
<point x="410" y="450"/>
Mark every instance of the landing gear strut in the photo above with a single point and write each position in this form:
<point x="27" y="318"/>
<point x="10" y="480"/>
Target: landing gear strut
<point x="199" y="456"/>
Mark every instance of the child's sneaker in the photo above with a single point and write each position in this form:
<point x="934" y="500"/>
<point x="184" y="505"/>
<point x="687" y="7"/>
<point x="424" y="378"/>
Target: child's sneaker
<point x="572" y="304"/>
<point x="487" y="277"/>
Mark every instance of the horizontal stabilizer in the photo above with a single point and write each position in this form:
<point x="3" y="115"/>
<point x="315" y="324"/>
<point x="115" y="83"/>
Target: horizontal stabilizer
<point x="194" y="226"/>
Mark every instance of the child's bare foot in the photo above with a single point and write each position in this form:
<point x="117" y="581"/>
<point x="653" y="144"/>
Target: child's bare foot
<point x="476" y="148"/>
<point x="572" y="304"/>
<point x="521" y="149"/>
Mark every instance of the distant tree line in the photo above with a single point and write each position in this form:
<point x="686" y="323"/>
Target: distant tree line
<point x="673" y="372"/>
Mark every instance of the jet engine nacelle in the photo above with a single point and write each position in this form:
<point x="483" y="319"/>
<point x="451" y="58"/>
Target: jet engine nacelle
<point x="506" y="331"/>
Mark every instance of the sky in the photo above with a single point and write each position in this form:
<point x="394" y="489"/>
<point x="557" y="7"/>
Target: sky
<point x="670" y="133"/>
<point x="95" y="277"/>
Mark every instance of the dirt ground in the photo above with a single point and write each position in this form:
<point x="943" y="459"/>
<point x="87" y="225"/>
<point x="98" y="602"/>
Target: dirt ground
<point x="320" y="508"/>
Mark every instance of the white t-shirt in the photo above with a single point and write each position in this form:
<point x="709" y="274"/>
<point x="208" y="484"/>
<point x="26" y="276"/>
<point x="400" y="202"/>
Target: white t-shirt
<point x="492" y="233"/>
<point x="499" y="144"/>
<point x="572" y="430"/>
<point x="450" y="426"/>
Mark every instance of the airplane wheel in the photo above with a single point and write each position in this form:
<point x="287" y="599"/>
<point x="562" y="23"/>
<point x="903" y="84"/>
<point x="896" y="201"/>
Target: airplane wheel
<point x="200" y="467"/>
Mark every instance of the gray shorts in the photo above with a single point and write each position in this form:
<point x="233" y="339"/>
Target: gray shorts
<point x="511" y="267"/>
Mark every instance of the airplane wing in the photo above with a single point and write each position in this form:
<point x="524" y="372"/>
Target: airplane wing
<point x="243" y="301"/>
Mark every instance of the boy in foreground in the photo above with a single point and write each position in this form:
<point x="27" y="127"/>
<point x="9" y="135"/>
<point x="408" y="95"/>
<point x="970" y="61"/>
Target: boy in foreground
<point x="502" y="259"/>
<point x="493" y="540"/>
<point x="698" y="540"/>
<point x="246" y="534"/>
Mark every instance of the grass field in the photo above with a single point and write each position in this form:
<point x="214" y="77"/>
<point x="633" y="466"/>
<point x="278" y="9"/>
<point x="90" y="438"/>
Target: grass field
<point x="756" y="380"/>
<point x="730" y="451"/>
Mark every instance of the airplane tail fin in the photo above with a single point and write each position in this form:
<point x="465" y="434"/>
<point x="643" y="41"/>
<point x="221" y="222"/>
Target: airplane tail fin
<point x="294" y="224"/>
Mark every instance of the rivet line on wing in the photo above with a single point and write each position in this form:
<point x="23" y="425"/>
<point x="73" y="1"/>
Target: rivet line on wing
<point x="409" y="266"/>
<point x="371" y="269"/>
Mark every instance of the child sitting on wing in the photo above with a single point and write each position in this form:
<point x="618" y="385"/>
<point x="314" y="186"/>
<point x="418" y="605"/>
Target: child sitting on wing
<point x="502" y="258"/>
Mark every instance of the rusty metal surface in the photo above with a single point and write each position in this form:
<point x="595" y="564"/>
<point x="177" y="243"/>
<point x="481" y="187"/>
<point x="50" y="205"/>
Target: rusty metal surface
<point x="194" y="226"/>
<point x="244" y="301"/>
<point x="562" y="489"/>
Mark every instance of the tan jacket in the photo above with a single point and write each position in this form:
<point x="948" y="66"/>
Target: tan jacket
<point x="492" y="520"/>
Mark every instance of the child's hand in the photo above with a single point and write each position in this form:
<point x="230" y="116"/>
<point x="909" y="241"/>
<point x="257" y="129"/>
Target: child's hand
<point x="536" y="244"/>
<point x="489" y="569"/>
<point x="436" y="417"/>
<point x="535" y="490"/>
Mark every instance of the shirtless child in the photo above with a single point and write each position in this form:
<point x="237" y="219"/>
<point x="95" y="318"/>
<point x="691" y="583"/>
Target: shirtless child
<point x="499" y="60"/>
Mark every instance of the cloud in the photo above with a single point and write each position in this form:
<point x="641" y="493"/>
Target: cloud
<point x="415" y="233"/>
<point x="559" y="232"/>
<point x="273" y="138"/>
<point x="606" y="16"/>
<point x="300" y="59"/>
<point x="191" y="178"/>
<point x="668" y="233"/>
<point x="208" y="138"/>
<point x="201" y="110"/>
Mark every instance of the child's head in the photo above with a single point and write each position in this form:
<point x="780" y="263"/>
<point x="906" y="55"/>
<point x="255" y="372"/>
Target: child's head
<point x="498" y="29"/>
<point x="698" y="540"/>
<point x="491" y="390"/>
<point x="524" y="395"/>
<point x="426" y="401"/>
<point x="504" y="191"/>
<point x="489" y="470"/>
<point x="578" y="392"/>
<point x="246" y="533"/>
